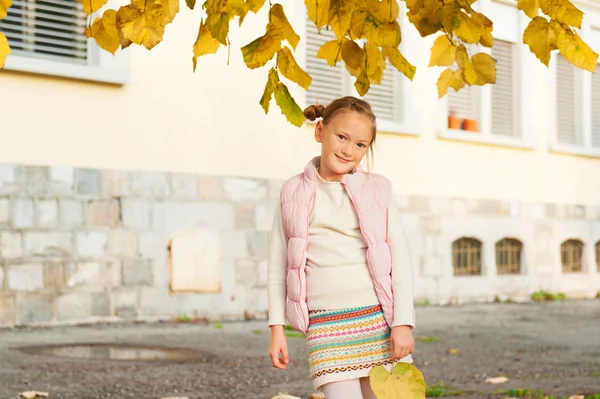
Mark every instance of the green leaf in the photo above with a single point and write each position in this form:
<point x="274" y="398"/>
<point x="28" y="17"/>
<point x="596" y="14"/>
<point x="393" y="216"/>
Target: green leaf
<point x="288" y="105"/>
<point x="261" y="50"/>
<point x="396" y="58"/>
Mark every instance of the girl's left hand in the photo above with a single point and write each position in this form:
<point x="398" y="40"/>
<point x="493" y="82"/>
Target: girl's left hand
<point x="403" y="343"/>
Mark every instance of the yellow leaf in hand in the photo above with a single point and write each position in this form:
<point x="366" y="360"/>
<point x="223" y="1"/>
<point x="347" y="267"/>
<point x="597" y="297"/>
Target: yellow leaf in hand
<point x="205" y="43"/>
<point x="353" y="57"/>
<point x="330" y="51"/>
<point x="104" y="31"/>
<point x="405" y="381"/>
<point x="4" y="49"/>
<point x="340" y="16"/>
<point x="4" y="6"/>
<point x="288" y="105"/>
<point x="272" y="81"/>
<point x="318" y="12"/>
<point x="541" y="38"/>
<point x="485" y="68"/>
<point x="261" y="50"/>
<point x="443" y="52"/>
<point x="142" y="27"/>
<point x="278" y="17"/>
<point x="576" y="51"/>
<point x="463" y="61"/>
<point x="562" y="11"/>
<point x="396" y="58"/>
<point x="529" y="7"/>
<point x="289" y="68"/>
<point x="91" y="6"/>
<point x="450" y="78"/>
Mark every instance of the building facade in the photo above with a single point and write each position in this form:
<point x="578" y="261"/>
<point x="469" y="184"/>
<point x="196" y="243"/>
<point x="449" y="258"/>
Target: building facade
<point x="133" y="188"/>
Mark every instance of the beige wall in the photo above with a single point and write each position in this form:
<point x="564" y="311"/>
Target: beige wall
<point x="169" y="118"/>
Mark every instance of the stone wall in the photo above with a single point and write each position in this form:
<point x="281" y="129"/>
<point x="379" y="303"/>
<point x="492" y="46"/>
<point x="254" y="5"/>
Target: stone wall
<point x="84" y="245"/>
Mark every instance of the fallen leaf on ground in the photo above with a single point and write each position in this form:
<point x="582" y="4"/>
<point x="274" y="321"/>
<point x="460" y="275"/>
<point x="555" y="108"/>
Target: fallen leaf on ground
<point x="285" y="396"/>
<point x="318" y="395"/>
<point x="453" y="351"/>
<point x="34" y="394"/>
<point x="496" y="380"/>
<point x="577" y="397"/>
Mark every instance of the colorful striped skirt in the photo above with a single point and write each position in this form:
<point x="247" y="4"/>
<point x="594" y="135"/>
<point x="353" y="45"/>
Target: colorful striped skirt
<point x="346" y="344"/>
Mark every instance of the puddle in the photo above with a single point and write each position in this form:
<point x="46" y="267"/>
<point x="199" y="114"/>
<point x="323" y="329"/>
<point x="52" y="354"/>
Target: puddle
<point x="119" y="352"/>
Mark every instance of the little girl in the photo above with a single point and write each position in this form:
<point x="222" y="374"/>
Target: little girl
<point x="339" y="266"/>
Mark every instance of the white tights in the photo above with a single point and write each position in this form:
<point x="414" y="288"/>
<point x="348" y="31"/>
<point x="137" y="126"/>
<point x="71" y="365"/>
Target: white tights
<point x="350" y="389"/>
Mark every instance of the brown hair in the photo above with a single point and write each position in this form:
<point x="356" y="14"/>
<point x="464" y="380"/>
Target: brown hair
<point x="344" y="104"/>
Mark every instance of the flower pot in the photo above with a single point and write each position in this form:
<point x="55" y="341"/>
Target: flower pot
<point x="454" y="122"/>
<point x="471" y="125"/>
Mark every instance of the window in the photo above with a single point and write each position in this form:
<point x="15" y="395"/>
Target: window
<point x="566" y="129"/>
<point x="47" y="36"/>
<point x="466" y="257"/>
<point x="597" y="248"/>
<point x="330" y="83"/>
<point x="508" y="256"/>
<point x="596" y="107"/>
<point x="504" y="101"/>
<point x="571" y="253"/>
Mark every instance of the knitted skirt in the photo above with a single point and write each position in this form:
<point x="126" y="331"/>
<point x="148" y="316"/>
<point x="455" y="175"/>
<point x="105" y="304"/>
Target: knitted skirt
<point x="346" y="344"/>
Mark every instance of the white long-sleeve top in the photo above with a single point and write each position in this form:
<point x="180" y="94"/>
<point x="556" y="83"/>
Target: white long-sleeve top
<point x="337" y="275"/>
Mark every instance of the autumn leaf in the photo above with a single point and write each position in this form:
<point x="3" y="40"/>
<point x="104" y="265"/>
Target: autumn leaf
<point x="191" y="4"/>
<point x="353" y="57"/>
<point x="399" y="62"/>
<point x="272" y="81"/>
<point x="4" y="49"/>
<point x="466" y="28"/>
<point x="424" y="15"/>
<point x="255" y="5"/>
<point x="576" y="51"/>
<point x="443" y="52"/>
<point x="529" y="7"/>
<point x="366" y="26"/>
<point x="278" y="17"/>
<point x="261" y="50"/>
<point x="205" y="43"/>
<point x="385" y="11"/>
<point x="4" y="6"/>
<point x="89" y="6"/>
<point x="142" y="27"/>
<point x="405" y="381"/>
<point x="330" y="51"/>
<point x="487" y="26"/>
<point x="288" y="106"/>
<point x="104" y="31"/>
<point x="362" y="83"/>
<point x="318" y="12"/>
<point x="541" y="38"/>
<point x="375" y="63"/>
<point x="449" y="78"/>
<point x="172" y="7"/>
<point x="485" y="68"/>
<point x="340" y="16"/>
<point x="562" y="11"/>
<point x="463" y="61"/>
<point x="289" y="68"/>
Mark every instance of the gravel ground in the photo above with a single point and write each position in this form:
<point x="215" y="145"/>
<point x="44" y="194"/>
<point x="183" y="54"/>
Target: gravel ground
<point x="554" y="347"/>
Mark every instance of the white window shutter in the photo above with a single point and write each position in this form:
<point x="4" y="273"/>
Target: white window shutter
<point x="384" y="97"/>
<point x="566" y="132"/>
<point x="596" y="107"/>
<point x="327" y="82"/>
<point x="503" y="99"/>
<point x="462" y="103"/>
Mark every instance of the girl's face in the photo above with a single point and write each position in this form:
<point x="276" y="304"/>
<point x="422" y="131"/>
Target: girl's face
<point x="344" y="142"/>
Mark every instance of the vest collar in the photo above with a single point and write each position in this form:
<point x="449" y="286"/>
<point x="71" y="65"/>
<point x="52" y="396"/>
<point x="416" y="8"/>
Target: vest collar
<point x="311" y="170"/>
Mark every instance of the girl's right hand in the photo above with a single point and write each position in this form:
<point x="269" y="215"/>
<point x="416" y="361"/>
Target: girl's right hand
<point x="278" y="350"/>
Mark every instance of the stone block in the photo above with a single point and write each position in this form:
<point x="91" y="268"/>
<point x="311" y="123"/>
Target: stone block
<point x="74" y="306"/>
<point x="241" y="189"/>
<point x="459" y="207"/>
<point x="7" y="310"/>
<point x="262" y="273"/>
<point x="4" y="211"/>
<point x="576" y="211"/>
<point x="591" y="212"/>
<point x="153" y="245"/>
<point x="84" y="274"/>
<point x="137" y="273"/>
<point x="156" y="302"/>
<point x="23" y="213"/>
<point x="122" y="244"/>
<point x="91" y="244"/>
<point x="246" y="272"/>
<point x="137" y="214"/>
<point x="70" y="213"/>
<point x="258" y="243"/>
<point x="115" y="183"/>
<point x="104" y="213"/>
<point x="34" y="308"/>
<point x="37" y="180"/>
<point x="159" y="216"/>
<point x="54" y="276"/>
<point x="87" y="182"/>
<point x="244" y="216"/>
<point x="100" y="304"/>
<point x="184" y="186"/>
<point x="50" y="243"/>
<point x="234" y="244"/>
<point x="62" y="179"/>
<point x="47" y="213"/>
<point x="432" y="245"/>
<point x="11" y="245"/>
<point x="430" y="224"/>
<point x="8" y="183"/>
<point x="210" y="187"/>
<point x="401" y="201"/>
<point x="149" y="184"/>
<point x="1" y="277"/>
<point x="441" y="206"/>
<point x="160" y="273"/>
<point x="418" y="204"/>
<point x="25" y="277"/>
<point x="263" y="216"/>
<point x="538" y="211"/>
<point x="487" y="207"/>
<point x="112" y="273"/>
<point x="217" y="216"/>
<point x="125" y="299"/>
<point x="127" y="312"/>
<point x="431" y="266"/>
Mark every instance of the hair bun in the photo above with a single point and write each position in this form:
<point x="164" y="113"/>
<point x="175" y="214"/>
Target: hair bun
<point x="314" y="112"/>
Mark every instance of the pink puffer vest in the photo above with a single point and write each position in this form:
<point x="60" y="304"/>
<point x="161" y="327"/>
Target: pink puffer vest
<point x="370" y="194"/>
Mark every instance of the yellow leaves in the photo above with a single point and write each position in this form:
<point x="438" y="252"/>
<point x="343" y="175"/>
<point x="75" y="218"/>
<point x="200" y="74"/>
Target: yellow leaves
<point x="529" y="7"/>
<point x="172" y="7"/>
<point x="405" y="381"/>
<point x="479" y="70"/>
<point x="4" y="49"/>
<point x="318" y="12"/>
<point x="261" y="50"/>
<point x="104" y="30"/>
<point x="91" y="6"/>
<point x="576" y="51"/>
<point x="464" y="63"/>
<point x="364" y="25"/>
<point x="375" y="63"/>
<point x="144" y="27"/>
<point x="279" y="19"/>
<point x="219" y="14"/>
<point x="330" y="51"/>
<point x="424" y="15"/>
<point x="485" y="68"/>
<point x="486" y="28"/>
<point x="353" y="57"/>
<point x="399" y="62"/>
<point x="466" y="28"/>
<point x="4" y="6"/>
<point x="191" y="4"/>
<point x="272" y="81"/>
<point x="449" y="78"/>
<point x="284" y="100"/>
<point x="562" y="11"/>
<point x="541" y="38"/>
<point x="205" y="43"/>
<point x="443" y="52"/>
<point x="255" y="5"/>
<point x="290" y="69"/>
<point x="385" y="11"/>
<point x="340" y="16"/>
